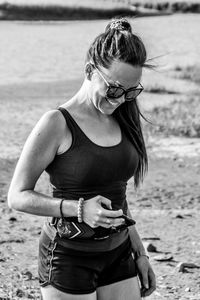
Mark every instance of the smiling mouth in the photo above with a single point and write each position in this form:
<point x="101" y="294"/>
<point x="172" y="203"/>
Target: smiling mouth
<point x="114" y="104"/>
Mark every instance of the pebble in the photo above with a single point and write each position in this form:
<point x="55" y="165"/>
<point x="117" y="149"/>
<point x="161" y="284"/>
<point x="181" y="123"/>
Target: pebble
<point x="20" y="293"/>
<point x="183" y="265"/>
<point x="27" y="274"/>
<point x="2" y="259"/>
<point x="151" y="238"/>
<point x="12" y="219"/>
<point x="179" y="216"/>
<point x="163" y="257"/>
<point x="151" y="248"/>
<point x="187" y="289"/>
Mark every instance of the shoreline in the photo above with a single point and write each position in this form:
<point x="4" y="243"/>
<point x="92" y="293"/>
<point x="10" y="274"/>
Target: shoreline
<point x="89" y="10"/>
<point x="69" y="11"/>
<point x="57" y="14"/>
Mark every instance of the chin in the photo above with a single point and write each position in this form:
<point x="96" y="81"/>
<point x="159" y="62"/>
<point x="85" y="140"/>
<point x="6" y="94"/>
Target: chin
<point x="105" y="108"/>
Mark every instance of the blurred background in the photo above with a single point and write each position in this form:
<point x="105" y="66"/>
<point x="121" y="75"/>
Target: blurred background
<point x="42" y="52"/>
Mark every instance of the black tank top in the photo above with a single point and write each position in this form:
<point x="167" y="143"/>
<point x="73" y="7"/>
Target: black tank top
<point x="87" y="170"/>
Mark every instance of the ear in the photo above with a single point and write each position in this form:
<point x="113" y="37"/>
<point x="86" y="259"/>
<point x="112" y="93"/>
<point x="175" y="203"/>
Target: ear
<point x="88" y="70"/>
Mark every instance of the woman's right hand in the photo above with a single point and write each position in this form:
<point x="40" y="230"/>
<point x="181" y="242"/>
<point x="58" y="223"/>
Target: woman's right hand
<point x="94" y="214"/>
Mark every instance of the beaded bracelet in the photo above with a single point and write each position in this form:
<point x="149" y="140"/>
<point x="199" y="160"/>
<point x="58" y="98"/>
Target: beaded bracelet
<point x="80" y="210"/>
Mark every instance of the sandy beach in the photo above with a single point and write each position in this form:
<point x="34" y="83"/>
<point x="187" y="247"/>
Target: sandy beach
<point x="166" y="207"/>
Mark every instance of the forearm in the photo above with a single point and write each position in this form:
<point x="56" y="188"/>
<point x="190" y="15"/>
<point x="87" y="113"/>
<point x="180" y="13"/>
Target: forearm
<point x="136" y="241"/>
<point x="36" y="203"/>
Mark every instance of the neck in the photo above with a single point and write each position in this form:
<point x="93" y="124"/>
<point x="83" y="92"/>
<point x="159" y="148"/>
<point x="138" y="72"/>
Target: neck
<point x="82" y="102"/>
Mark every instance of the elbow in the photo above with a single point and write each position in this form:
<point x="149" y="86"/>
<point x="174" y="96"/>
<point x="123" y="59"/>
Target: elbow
<point x="10" y="200"/>
<point x="13" y="200"/>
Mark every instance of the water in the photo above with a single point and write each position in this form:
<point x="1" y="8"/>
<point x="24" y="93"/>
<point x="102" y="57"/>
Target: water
<point x="55" y="51"/>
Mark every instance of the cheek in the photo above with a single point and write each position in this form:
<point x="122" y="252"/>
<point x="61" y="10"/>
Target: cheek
<point x="99" y="99"/>
<point x="99" y="90"/>
<point x="98" y="95"/>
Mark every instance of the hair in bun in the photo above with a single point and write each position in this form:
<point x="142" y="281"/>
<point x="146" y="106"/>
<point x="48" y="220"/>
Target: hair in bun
<point x="120" y="24"/>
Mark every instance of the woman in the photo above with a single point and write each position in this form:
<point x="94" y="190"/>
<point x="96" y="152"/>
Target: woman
<point x="91" y="146"/>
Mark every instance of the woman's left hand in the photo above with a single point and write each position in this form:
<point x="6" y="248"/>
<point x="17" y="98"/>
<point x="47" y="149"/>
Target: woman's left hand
<point x="146" y="275"/>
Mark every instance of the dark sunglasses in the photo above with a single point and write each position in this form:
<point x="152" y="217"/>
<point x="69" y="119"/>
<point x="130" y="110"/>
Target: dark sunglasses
<point x="114" y="92"/>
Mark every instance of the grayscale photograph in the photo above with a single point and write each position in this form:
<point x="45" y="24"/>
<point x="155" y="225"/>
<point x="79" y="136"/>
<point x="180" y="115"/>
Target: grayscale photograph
<point x="100" y="149"/>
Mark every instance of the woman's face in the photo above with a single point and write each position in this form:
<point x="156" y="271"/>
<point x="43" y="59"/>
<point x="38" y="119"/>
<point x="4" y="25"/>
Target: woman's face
<point x="119" y="74"/>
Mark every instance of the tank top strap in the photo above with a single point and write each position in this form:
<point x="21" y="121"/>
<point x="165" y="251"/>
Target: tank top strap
<point x="71" y="123"/>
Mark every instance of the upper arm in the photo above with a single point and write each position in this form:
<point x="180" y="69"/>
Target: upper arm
<point x="39" y="151"/>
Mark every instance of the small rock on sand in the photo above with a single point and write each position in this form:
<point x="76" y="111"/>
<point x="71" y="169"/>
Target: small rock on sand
<point x="182" y="266"/>
<point x="163" y="257"/>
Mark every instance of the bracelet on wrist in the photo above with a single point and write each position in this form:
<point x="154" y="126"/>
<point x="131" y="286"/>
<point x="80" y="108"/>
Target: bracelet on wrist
<point x="80" y="210"/>
<point x="61" y="210"/>
<point x="137" y="255"/>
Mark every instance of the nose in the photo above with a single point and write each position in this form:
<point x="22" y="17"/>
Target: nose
<point x="121" y="99"/>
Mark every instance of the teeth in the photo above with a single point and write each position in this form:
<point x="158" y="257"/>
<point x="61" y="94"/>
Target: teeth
<point x="113" y="103"/>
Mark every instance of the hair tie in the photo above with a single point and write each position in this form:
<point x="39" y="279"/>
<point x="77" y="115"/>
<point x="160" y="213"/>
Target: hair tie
<point x="117" y="25"/>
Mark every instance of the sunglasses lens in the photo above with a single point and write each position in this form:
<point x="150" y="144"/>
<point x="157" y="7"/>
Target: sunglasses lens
<point x="115" y="92"/>
<point x="131" y="95"/>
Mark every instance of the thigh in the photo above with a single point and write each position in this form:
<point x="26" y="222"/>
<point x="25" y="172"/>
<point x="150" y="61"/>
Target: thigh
<point x="51" y="293"/>
<point x="127" y="289"/>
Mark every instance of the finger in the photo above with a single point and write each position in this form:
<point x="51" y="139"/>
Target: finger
<point x="105" y="225"/>
<point x="112" y="221"/>
<point x="106" y="202"/>
<point x="108" y="223"/>
<point x="118" y="222"/>
<point x="112" y="213"/>
<point x="144" y="281"/>
<point x="146" y="293"/>
<point x="152" y="279"/>
<point x="152" y="285"/>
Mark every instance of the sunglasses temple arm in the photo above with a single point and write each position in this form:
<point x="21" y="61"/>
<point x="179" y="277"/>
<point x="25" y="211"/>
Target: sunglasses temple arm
<point x="102" y="77"/>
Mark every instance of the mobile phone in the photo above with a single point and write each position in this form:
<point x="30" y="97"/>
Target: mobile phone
<point x="129" y="220"/>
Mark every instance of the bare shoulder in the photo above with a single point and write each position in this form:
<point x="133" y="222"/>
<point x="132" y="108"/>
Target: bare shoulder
<point x="39" y="149"/>
<point x="53" y="119"/>
<point x="51" y="123"/>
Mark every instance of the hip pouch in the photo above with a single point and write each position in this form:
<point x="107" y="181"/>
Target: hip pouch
<point x="70" y="228"/>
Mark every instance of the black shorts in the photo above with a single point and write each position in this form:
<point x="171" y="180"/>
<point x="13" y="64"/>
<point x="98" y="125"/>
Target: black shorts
<point x="78" y="272"/>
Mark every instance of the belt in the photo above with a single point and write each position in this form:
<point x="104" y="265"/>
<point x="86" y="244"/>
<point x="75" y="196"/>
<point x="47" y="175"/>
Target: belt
<point x="70" y="228"/>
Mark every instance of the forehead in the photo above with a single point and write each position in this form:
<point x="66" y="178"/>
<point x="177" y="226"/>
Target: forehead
<point x="124" y="73"/>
